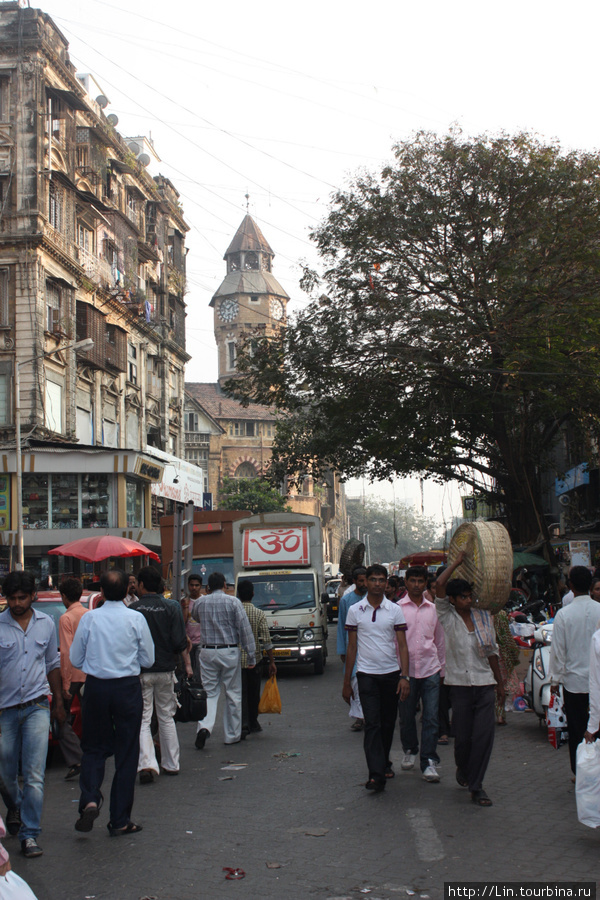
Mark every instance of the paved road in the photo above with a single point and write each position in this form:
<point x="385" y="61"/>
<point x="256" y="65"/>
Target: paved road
<point x="411" y="838"/>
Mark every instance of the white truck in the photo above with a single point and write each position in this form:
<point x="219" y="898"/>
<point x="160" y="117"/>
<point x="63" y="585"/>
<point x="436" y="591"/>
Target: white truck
<point x="282" y="555"/>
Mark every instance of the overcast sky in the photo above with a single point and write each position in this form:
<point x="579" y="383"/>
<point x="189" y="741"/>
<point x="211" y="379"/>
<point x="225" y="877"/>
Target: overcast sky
<point x="284" y="101"/>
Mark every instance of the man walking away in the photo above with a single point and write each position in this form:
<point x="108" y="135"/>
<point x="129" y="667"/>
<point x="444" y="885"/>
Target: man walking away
<point x="111" y="645"/>
<point x="165" y="621"/>
<point x="251" y="676"/>
<point x="356" y="593"/>
<point x="73" y="679"/>
<point x="224" y="625"/>
<point x="473" y="672"/>
<point x="376" y="637"/>
<point x="427" y="654"/>
<point x="28" y="664"/>
<point x="574" y="627"/>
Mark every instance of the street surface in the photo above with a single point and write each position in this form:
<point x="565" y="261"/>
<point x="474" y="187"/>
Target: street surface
<point x="305" y="773"/>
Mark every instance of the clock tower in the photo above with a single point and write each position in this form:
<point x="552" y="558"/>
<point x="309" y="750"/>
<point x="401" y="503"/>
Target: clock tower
<point x="250" y="299"/>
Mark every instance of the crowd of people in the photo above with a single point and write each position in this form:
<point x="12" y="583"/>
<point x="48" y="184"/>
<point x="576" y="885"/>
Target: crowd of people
<point x="422" y="643"/>
<point x="119" y="657"/>
<point x="410" y="645"/>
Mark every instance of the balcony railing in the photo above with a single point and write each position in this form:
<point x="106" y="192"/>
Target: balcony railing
<point x="63" y="243"/>
<point x="197" y="437"/>
<point x="98" y="270"/>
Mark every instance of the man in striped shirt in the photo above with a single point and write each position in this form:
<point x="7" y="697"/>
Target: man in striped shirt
<point x="224" y="626"/>
<point x="251" y="675"/>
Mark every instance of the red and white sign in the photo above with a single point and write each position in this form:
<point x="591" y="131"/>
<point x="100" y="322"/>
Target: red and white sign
<point x="266" y="547"/>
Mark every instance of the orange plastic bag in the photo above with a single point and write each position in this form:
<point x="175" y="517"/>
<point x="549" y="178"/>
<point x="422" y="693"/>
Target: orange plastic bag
<point x="270" y="701"/>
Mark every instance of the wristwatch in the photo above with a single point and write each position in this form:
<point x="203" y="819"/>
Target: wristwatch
<point x="405" y="676"/>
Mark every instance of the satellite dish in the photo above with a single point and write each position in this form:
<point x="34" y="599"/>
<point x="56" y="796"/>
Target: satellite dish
<point x="564" y="500"/>
<point x="135" y="148"/>
<point x="102" y="101"/>
<point x="144" y="159"/>
<point x="112" y="120"/>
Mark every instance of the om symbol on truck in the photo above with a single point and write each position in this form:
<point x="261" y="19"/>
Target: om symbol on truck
<point x="272" y="544"/>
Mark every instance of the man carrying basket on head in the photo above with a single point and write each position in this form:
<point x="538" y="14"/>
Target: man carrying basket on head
<point x="473" y="675"/>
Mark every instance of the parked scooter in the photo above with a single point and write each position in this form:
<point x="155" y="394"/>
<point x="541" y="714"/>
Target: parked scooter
<point x="537" y="679"/>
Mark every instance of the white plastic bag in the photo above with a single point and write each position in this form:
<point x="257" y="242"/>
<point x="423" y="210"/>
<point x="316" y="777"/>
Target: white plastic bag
<point x="587" y="785"/>
<point x="12" y="887"/>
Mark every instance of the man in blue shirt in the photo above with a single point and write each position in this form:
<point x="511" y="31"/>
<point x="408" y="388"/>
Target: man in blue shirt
<point x="29" y="662"/>
<point x="111" y="645"/>
<point x="358" y="591"/>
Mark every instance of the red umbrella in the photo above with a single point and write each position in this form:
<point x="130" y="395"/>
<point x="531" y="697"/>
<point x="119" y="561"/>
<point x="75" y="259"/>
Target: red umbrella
<point x="424" y="558"/>
<point x="93" y="549"/>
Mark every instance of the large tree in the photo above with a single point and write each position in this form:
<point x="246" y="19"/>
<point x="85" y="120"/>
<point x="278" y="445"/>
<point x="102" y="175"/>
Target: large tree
<point x="254" y="494"/>
<point x="456" y="328"/>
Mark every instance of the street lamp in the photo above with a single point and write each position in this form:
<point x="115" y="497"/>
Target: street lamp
<point x="86" y="344"/>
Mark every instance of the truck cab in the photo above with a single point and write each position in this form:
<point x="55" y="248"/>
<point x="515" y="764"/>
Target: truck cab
<point x="282" y="555"/>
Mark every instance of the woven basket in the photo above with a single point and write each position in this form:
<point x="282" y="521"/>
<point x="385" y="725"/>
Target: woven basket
<point x="489" y="562"/>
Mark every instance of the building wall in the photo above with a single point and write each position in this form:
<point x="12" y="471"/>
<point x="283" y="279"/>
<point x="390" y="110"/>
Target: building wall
<point x="91" y="246"/>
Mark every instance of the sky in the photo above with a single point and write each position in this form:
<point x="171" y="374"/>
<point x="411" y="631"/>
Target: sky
<point x="283" y="102"/>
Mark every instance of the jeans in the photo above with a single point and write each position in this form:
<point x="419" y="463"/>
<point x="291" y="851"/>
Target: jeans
<point x="251" y="684"/>
<point x="24" y="733"/>
<point x="379" y="701"/>
<point x="577" y="712"/>
<point x="158" y="694"/>
<point x="428" y="690"/>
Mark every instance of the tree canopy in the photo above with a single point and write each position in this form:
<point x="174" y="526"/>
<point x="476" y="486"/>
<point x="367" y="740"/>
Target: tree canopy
<point x="253" y="494"/>
<point x="455" y="328"/>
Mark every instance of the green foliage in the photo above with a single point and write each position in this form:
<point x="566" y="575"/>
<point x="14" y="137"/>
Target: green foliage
<point x="455" y="330"/>
<point x="376" y="518"/>
<point x="253" y="494"/>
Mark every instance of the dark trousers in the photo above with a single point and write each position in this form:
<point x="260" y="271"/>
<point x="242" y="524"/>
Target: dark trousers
<point x="577" y="708"/>
<point x="474" y="722"/>
<point x="444" y="710"/>
<point x="379" y="701"/>
<point x="112" y="716"/>
<point x="251" y="680"/>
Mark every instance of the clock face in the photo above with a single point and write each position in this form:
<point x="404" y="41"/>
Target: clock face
<point x="277" y="309"/>
<point x="228" y="310"/>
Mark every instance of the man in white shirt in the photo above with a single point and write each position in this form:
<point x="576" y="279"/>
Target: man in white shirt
<point x="572" y="635"/>
<point x="375" y="638"/>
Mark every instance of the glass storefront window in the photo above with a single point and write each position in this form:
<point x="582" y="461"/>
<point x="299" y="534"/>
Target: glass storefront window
<point x="161" y="506"/>
<point x="135" y="503"/>
<point x="94" y="501"/>
<point x="65" y="501"/>
<point x="35" y="501"/>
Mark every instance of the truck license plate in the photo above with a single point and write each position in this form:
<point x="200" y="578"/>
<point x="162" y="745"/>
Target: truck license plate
<point x="282" y="652"/>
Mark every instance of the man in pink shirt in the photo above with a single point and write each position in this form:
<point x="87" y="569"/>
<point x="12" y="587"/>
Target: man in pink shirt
<point x="427" y="661"/>
<point x="72" y="678"/>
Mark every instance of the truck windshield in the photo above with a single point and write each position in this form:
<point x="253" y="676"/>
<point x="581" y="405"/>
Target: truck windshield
<point x="277" y="592"/>
<point x="206" y="567"/>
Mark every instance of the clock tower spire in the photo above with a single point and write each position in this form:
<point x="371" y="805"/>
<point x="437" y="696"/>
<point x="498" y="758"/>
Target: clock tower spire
<point x="250" y="298"/>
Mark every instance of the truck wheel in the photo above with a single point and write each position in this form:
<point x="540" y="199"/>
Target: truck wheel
<point x="319" y="662"/>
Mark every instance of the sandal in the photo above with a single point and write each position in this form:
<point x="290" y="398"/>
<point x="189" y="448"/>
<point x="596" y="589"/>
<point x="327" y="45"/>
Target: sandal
<point x="86" y="819"/>
<point x="389" y="771"/>
<point x="130" y="828"/>
<point x="481" y="798"/>
<point x="443" y="740"/>
<point x="462" y="779"/>
<point x="501" y="722"/>
<point x="376" y="786"/>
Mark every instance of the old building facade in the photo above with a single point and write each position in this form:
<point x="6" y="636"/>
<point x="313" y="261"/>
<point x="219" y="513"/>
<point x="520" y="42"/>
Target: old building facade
<point x="92" y="246"/>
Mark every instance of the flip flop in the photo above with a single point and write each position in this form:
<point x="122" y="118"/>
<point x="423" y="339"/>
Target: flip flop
<point x="389" y="772"/>
<point x="481" y="798"/>
<point x="130" y="828"/>
<point x="443" y="741"/>
<point x="376" y="786"/>
<point x="461" y="779"/>
<point x="86" y="820"/>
